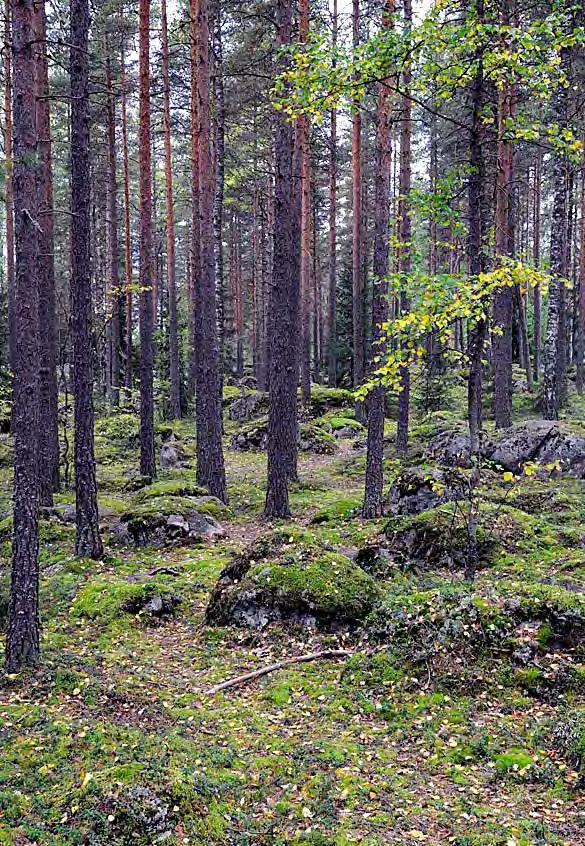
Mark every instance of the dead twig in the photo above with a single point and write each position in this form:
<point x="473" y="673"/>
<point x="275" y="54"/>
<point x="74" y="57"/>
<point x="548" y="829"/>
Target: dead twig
<point x="271" y="668"/>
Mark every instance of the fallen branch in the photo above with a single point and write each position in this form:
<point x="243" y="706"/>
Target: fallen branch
<point x="270" y="668"/>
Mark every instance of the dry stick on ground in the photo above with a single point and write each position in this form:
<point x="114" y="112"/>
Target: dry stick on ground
<point x="270" y="668"/>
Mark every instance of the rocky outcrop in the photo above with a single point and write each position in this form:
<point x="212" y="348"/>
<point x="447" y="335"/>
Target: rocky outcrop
<point x="419" y="489"/>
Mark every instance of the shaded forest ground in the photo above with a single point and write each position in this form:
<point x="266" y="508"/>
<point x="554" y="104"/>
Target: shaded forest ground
<point x="436" y="731"/>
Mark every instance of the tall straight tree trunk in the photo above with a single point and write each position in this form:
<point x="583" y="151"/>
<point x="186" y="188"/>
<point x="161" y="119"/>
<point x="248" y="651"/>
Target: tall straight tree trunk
<point x="22" y="639"/>
<point x="580" y="305"/>
<point x="304" y="136"/>
<point x="174" y="365"/>
<point x="127" y="234"/>
<point x="210" y="462"/>
<point x="87" y="542"/>
<point x="376" y="402"/>
<point x="356" y="264"/>
<point x="536" y="262"/>
<point x="114" y="302"/>
<point x="218" y="208"/>
<point x="147" y="459"/>
<point x="9" y="191"/>
<point x="48" y="393"/>
<point x="195" y="231"/>
<point x="405" y="234"/>
<point x="284" y="301"/>
<point x="503" y="299"/>
<point x="555" y="337"/>
<point x="332" y="335"/>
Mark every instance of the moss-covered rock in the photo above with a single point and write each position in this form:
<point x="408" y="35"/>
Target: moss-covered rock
<point x="324" y="399"/>
<point x="290" y="576"/>
<point x="169" y="488"/>
<point x="167" y="520"/>
<point x="254" y="435"/>
<point x="419" y="489"/>
<point x="107" y="597"/>
<point x="341" y="509"/>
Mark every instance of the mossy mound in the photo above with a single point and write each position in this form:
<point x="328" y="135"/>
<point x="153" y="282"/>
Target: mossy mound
<point x="166" y="520"/>
<point x="291" y="576"/>
<point x="433" y="539"/>
<point x="341" y="509"/>
<point x="169" y="488"/>
<point x="106" y="598"/>
<point x="340" y="423"/>
<point x="254" y="436"/>
<point x="324" y="399"/>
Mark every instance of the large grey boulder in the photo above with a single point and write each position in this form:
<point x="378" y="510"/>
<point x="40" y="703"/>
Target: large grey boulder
<point x="419" y="489"/>
<point x="541" y="441"/>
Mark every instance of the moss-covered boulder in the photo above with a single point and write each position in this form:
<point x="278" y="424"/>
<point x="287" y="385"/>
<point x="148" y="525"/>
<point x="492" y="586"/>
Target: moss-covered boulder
<point x="168" y="520"/>
<point x="248" y="405"/>
<point x="106" y="598"/>
<point x="435" y="538"/>
<point x="254" y="436"/>
<point x="541" y="441"/>
<point x="419" y="489"/>
<point x="288" y="575"/>
<point x="324" y="399"/>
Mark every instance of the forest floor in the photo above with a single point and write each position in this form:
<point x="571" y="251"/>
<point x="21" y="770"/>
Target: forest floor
<point x="115" y="738"/>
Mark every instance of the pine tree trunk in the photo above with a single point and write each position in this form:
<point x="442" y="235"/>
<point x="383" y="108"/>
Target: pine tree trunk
<point x="9" y="191"/>
<point x="195" y="232"/>
<point x="304" y="136"/>
<point x="174" y="364"/>
<point x="405" y="235"/>
<point x="536" y="261"/>
<point x="127" y="236"/>
<point x="284" y="301"/>
<point x="218" y="212"/>
<point x="210" y="462"/>
<point x="147" y="273"/>
<point x="48" y="399"/>
<point x="356" y="266"/>
<point x="503" y="299"/>
<point x="580" y="305"/>
<point x="22" y="639"/>
<point x="376" y="402"/>
<point x="554" y="358"/>
<point x="88" y="542"/>
<point x="114" y="300"/>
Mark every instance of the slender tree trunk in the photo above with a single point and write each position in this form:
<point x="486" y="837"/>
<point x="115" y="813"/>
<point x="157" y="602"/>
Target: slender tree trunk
<point x="503" y="299"/>
<point x="304" y="140"/>
<point x="9" y="191"/>
<point x="22" y="641"/>
<point x="48" y="399"/>
<point x="88" y="542"/>
<point x="174" y="364"/>
<point x="555" y="339"/>
<point x="147" y="458"/>
<point x="357" y="277"/>
<point x="536" y="261"/>
<point x="376" y="403"/>
<point x="210" y="462"/>
<point x="114" y="302"/>
<point x="284" y="301"/>
<point x="127" y="235"/>
<point x="218" y="212"/>
<point x="332" y="357"/>
<point x="195" y="232"/>
<point x="405" y="234"/>
<point x="580" y="305"/>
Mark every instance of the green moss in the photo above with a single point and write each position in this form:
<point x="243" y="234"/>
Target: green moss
<point x="104" y="598"/>
<point x="513" y="761"/>
<point x="339" y="510"/>
<point x="323" y="398"/>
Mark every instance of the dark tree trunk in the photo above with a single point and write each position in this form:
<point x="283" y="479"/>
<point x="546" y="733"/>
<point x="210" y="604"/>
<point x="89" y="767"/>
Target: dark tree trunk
<point x="580" y="304"/>
<point x="503" y="299"/>
<point x="332" y="320"/>
<point x="114" y="303"/>
<point x="147" y="459"/>
<point x="8" y="191"/>
<point x="127" y="236"/>
<point x="536" y="260"/>
<point x="376" y="402"/>
<point x="48" y="399"/>
<point x="405" y="235"/>
<point x="87" y="542"/>
<point x="304" y="134"/>
<point x="284" y="302"/>
<point x="22" y="640"/>
<point x="174" y="364"/>
<point x="356" y="271"/>
<point x="218" y="212"/>
<point x="195" y="233"/>
<point x="554" y="360"/>
<point x="210" y="462"/>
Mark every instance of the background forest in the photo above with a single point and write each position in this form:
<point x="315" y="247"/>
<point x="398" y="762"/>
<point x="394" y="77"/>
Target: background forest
<point x="292" y="458"/>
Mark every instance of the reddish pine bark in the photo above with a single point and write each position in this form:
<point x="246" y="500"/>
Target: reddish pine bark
<point x="127" y="234"/>
<point x="356" y="265"/>
<point x="283" y="307"/>
<point x="9" y="191"/>
<point x="305" y="318"/>
<point x="22" y="641"/>
<point x="580" y="345"/>
<point x="376" y="401"/>
<point x="49" y="431"/>
<point x="195" y="234"/>
<point x="208" y="404"/>
<point x="536" y="261"/>
<point x="87" y="542"/>
<point x="174" y="365"/>
<point x="146" y="270"/>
